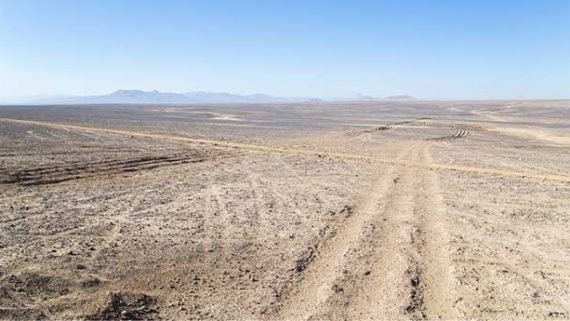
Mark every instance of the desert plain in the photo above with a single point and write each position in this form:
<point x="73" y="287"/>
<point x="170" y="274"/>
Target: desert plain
<point x="412" y="210"/>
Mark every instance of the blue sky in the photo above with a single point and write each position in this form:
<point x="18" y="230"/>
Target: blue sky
<point x="429" y="49"/>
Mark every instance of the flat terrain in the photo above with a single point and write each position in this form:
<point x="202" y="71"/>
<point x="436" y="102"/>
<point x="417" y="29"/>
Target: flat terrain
<point x="321" y="211"/>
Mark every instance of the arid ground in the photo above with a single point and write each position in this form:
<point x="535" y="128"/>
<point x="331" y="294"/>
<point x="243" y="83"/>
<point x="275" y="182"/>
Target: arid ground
<point x="315" y="211"/>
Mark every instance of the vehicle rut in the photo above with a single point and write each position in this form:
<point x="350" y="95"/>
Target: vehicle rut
<point x="389" y="261"/>
<point x="461" y="133"/>
<point x="51" y="174"/>
<point x="309" y="297"/>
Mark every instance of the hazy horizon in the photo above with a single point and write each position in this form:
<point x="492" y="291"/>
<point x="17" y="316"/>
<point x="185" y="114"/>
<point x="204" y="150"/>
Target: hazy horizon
<point x="433" y="51"/>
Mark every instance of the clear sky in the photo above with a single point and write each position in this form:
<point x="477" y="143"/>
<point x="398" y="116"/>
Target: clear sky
<point x="477" y="49"/>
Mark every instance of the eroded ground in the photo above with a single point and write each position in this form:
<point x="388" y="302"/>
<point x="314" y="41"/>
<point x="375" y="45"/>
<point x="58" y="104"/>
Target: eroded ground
<point x="364" y="211"/>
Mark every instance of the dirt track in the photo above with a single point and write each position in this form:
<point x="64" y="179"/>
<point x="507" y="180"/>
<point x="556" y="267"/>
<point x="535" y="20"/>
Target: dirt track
<point x="392" y="252"/>
<point x="439" y="210"/>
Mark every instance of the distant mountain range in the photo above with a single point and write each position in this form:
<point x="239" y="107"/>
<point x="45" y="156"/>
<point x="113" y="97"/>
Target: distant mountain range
<point x="362" y="97"/>
<point x="197" y="97"/>
<point x="157" y="97"/>
<point x="400" y="97"/>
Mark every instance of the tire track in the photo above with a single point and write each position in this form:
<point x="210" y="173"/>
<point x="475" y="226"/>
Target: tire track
<point x="409" y="266"/>
<point x="356" y="133"/>
<point x="461" y="133"/>
<point x="308" y="299"/>
<point x="386" y="292"/>
<point x="435" y="264"/>
<point x="390" y="261"/>
<point x="63" y="172"/>
<point x="425" y="121"/>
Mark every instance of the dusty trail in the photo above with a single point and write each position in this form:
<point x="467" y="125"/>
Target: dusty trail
<point x="437" y="273"/>
<point x="288" y="150"/>
<point x="390" y="260"/>
<point x="309" y="298"/>
<point x="409" y="264"/>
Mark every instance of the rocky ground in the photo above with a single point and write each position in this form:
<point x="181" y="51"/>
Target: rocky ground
<point x="363" y="211"/>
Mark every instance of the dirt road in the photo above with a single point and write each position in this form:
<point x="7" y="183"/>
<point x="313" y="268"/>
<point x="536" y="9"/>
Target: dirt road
<point x="389" y="260"/>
